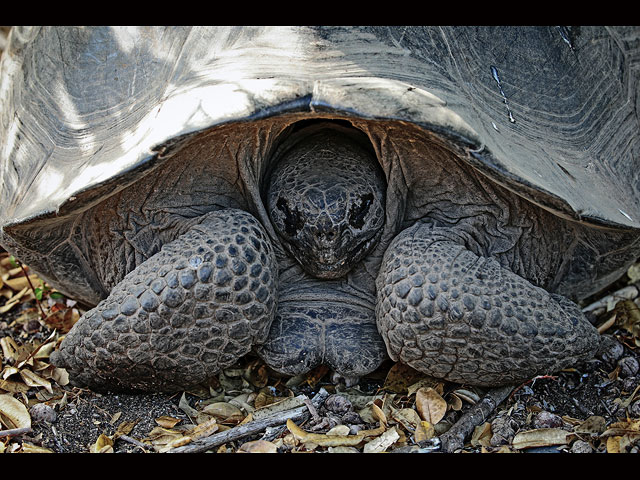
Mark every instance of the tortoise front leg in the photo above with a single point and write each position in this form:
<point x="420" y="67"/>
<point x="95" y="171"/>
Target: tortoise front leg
<point x="452" y="314"/>
<point x="188" y="311"/>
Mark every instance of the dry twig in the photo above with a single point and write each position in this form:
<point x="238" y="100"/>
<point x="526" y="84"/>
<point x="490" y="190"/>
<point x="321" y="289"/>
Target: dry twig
<point x="14" y="432"/>
<point x="256" y="426"/>
<point x="454" y="438"/>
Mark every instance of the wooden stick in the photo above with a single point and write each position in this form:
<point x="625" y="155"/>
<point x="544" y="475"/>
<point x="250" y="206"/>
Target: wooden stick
<point x="256" y="426"/>
<point x="13" y="432"/>
<point x="454" y="438"/>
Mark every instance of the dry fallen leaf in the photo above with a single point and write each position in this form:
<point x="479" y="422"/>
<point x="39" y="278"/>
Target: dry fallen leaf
<point x="400" y="377"/>
<point x="618" y="443"/>
<point x="424" y="431"/>
<point x="593" y="424"/>
<point x="29" y="448"/>
<point x="18" y="283"/>
<point x="164" y="439"/>
<point x="13" y="386"/>
<point x="60" y="376"/>
<point x="383" y="442"/>
<point x="407" y="417"/>
<point x="224" y="412"/>
<point x="626" y="427"/>
<point x="455" y="402"/>
<point x="203" y="429"/>
<point x="541" y="437"/>
<point x="258" y="446"/>
<point x="13" y="413"/>
<point x="167" y="422"/>
<point x="430" y="405"/>
<point x="339" y="430"/>
<point x="124" y="428"/>
<point x="322" y="439"/>
<point x="104" y="444"/>
<point x="33" y="380"/>
<point x="482" y="435"/>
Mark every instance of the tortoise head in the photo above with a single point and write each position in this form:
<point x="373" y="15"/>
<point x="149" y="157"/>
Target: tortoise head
<point x="326" y="200"/>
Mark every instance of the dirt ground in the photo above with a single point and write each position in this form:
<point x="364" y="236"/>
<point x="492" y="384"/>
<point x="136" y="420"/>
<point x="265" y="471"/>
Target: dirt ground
<point x="593" y="407"/>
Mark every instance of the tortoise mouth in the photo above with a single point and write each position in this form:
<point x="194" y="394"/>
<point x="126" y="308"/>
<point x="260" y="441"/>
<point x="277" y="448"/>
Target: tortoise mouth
<point x="326" y="264"/>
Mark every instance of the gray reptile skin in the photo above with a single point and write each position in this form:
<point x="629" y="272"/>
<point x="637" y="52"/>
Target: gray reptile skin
<point x="447" y="312"/>
<point x="454" y="292"/>
<point x="476" y="183"/>
<point x="193" y="308"/>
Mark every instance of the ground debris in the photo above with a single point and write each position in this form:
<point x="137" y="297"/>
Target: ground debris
<point x="594" y="407"/>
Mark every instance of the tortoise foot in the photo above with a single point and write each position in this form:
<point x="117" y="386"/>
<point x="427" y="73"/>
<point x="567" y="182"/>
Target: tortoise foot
<point x="195" y="307"/>
<point x="449" y="313"/>
<point x="340" y="334"/>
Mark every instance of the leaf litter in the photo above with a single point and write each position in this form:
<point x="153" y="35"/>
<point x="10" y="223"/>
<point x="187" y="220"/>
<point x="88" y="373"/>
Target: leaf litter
<point x="594" y="407"/>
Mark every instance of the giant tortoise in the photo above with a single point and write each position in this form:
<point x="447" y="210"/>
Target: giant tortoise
<point x="322" y="195"/>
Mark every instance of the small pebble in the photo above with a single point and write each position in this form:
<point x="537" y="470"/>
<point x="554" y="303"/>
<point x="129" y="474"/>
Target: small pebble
<point x="628" y="367"/>
<point x="41" y="412"/>
<point x="338" y="404"/>
<point x="32" y="326"/>
<point x="610" y="350"/>
<point x="580" y="446"/>
<point x="629" y="384"/>
<point x="547" y="420"/>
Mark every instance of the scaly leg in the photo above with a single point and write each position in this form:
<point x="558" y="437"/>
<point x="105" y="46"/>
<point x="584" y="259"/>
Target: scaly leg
<point x="449" y="313"/>
<point x="188" y="311"/>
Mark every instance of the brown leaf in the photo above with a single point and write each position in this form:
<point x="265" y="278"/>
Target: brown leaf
<point x="12" y="386"/>
<point x="627" y="427"/>
<point x="400" y="377"/>
<point x="383" y="442"/>
<point x="257" y="374"/>
<point x="30" y="448"/>
<point x="18" y="283"/>
<point x="167" y="422"/>
<point x="258" y="446"/>
<point x="481" y="435"/>
<point x="424" y="431"/>
<point x="593" y="424"/>
<point x="541" y="437"/>
<point x="315" y="375"/>
<point x="407" y="417"/>
<point x="617" y="444"/>
<point x="62" y="320"/>
<point x="430" y="405"/>
<point x="224" y="412"/>
<point x="35" y="380"/>
<point x="125" y="428"/>
<point x="203" y="429"/>
<point x="104" y="444"/>
<point x="13" y="413"/>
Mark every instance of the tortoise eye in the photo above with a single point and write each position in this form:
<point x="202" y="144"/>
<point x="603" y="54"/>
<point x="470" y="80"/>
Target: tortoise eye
<point x="293" y="221"/>
<point x="358" y="212"/>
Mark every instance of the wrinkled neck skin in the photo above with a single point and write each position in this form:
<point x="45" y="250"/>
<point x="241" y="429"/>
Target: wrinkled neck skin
<point x="326" y="200"/>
